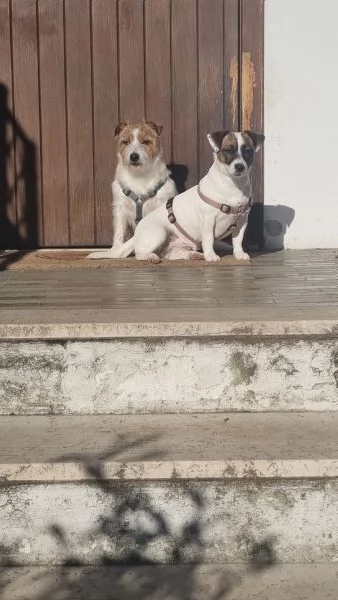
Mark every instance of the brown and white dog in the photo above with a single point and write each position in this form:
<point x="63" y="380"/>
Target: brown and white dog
<point x="142" y="181"/>
<point x="217" y="207"/>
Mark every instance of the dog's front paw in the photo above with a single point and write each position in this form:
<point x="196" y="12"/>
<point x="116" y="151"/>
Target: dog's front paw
<point x="241" y="255"/>
<point x="154" y="259"/>
<point x="212" y="257"/>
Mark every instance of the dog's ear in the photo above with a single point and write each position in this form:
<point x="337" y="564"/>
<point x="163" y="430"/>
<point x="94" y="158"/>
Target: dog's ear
<point x="157" y="128"/>
<point x="256" y="138"/>
<point x="215" y="139"/>
<point x="120" y="127"/>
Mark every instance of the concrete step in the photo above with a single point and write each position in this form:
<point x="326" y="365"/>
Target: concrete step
<point x="164" y="368"/>
<point x="191" y="582"/>
<point x="169" y="488"/>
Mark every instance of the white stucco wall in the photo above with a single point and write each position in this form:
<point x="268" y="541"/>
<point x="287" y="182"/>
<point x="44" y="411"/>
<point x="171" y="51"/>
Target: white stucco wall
<point x="301" y="123"/>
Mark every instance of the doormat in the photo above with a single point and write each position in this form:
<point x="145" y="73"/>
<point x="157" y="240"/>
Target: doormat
<point x="67" y="259"/>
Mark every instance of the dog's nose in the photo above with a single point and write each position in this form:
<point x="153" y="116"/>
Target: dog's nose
<point x="134" y="157"/>
<point x="239" y="168"/>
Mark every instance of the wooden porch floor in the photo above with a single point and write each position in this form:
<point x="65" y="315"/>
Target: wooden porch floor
<point x="289" y="285"/>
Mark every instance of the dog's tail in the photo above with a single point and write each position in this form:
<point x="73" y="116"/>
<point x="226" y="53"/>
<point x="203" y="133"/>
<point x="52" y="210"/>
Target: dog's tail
<point x="121" y="252"/>
<point x="127" y="248"/>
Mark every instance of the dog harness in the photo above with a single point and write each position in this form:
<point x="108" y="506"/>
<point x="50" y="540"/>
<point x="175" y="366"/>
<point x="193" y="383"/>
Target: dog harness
<point x="226" y="208"/>
<point x="140" y="200"/>
<point x="239" y="211"/>
<point x="172" y="220"/>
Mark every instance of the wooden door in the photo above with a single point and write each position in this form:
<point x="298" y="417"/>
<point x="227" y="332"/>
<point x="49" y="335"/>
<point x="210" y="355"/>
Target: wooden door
<point x="70" y="70"/>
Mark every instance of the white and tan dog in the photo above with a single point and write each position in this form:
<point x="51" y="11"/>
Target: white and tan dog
<point x="217" y="207"/>
<point x="142" y="181"/>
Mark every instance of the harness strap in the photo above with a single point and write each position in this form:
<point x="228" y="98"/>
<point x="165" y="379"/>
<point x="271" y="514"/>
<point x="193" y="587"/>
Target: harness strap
<point x="139" y="200"/>
<point x="226" y="208"/>
<point x="173" y="221"/>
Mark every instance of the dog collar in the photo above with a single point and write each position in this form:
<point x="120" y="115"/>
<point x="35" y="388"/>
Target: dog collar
<point x="226" y="208"/>
<point x="139" y="200"/>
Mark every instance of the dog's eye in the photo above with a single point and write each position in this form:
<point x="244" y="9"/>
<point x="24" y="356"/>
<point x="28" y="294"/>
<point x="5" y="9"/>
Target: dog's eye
<point x="124" y="143"/>
<point x="247" y="151"/>
<point x="146" y="142"/>
<point x="229" y="150"/>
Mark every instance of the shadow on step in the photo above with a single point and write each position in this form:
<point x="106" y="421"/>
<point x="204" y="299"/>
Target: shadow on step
<point x="139" y="550"/>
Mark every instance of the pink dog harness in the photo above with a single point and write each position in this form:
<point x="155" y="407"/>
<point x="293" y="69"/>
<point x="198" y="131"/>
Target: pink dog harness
<point x="226" y="208"/>
<point x="239" y="211"/>
<point x="173" y="221"/>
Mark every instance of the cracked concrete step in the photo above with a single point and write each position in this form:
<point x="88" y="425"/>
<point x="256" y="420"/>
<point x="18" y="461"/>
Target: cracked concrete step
<point x="240" y="372"/>
<point x="212" y="488"/>
<point x="191" y="582"/>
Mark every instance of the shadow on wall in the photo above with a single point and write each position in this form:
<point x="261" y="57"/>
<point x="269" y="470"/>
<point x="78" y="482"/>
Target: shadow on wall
<point x="267" y="226"/>
<point x="18" y="184"/>
<point x="277" y="220"/>
<point x="131" y="533"/>
<point x="254" y="238"/>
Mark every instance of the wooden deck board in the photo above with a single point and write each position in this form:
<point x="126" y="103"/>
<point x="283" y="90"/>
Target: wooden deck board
<point x="287" y="285"/>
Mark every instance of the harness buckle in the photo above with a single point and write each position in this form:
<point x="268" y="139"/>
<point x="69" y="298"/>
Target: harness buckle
<point x="171" y="218"/>
<point x="225" y="208"/>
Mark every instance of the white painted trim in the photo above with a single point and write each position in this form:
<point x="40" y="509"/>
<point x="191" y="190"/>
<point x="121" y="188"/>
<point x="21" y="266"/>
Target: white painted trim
<point x="236" y="329"/>
<point x="172" y="470"/>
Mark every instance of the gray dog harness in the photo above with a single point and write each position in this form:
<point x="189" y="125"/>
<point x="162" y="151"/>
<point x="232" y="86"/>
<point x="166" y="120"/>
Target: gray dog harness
<point x="140" y="200"/>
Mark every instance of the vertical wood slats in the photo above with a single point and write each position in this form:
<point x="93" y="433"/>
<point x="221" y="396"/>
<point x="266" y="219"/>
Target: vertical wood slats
<point x="231" y="65"/>
<point x="27" y="117"/>
<point x="210" y="76"/>
<point x="53" y="123"/>
<point x="80" y="125"/>
<point x="157" y="68"/>
<point x="252" y="36"/>
<point x="8" y="231"/>
<point x="184" y="86"/>
<point x="252" y="58"/>
<point x="131" y="56"/>
<point x="71" y="69"/>
<point x="105" y="111"/>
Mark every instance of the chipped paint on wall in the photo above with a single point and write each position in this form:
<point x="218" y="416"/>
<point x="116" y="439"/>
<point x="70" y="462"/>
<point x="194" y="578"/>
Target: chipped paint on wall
<point x="234" y="89"/>
<point x="248" y="86"/>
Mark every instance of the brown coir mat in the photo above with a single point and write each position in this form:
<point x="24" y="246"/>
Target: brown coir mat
<point x="67" y="259"/>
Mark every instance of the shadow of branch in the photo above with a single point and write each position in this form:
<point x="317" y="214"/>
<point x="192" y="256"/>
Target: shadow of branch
<point x="136" y="550"/>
